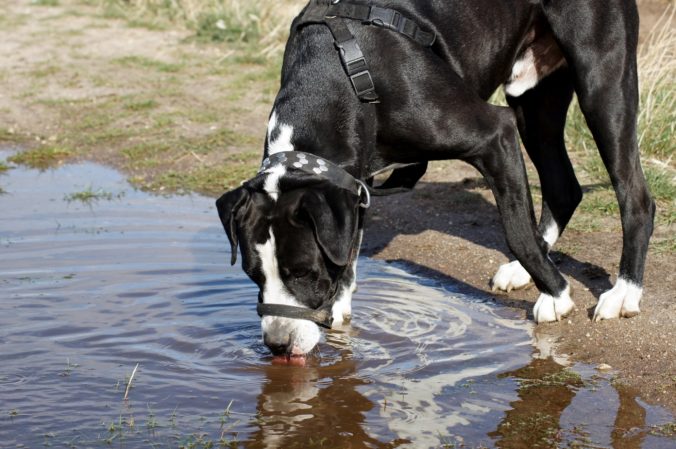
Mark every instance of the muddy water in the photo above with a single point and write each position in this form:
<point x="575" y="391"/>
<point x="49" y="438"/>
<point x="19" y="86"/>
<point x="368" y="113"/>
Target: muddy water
<point x="88" y="290"/>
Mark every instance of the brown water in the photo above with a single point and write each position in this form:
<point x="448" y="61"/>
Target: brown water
<point x="90" y="290"/>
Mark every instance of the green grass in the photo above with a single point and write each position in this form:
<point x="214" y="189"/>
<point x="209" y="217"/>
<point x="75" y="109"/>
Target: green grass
<point x="206" y="179"/>
<point x="141" y="105"/>
<point x="664" y="430"/>
<point x="561" y="378"/>
<point x="4" y="167"/>
<point x="7" y="135"/>
<point x="89" y="196"/>
<point x="148" y="63"/>
<point x="42" y="157"/>
<point x="45" y="2"/>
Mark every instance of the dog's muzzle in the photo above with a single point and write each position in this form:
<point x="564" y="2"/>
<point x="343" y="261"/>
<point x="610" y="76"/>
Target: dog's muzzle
<point x="321" y="317"/>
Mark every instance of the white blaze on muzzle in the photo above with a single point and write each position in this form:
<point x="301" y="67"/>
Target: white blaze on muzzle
<point x="299" y="336"/>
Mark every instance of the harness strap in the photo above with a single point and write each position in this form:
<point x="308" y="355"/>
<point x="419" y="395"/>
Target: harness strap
<point x="383" y="17"/>
<point x="353" y="60"/>
<point x="330" y="13"/>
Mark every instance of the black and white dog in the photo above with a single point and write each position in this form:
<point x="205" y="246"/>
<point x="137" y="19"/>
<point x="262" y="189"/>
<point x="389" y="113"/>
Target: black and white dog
<point x="369" y="86"/>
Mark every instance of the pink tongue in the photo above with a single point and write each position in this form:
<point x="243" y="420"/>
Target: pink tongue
<point x="286" y="360"/>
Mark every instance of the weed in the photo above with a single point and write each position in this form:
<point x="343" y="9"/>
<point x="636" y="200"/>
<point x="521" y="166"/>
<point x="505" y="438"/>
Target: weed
<point x="68" y="369"/>
<point x="140" y="105"/>
<point x="561" y="378"/>
<point x="89" y="196"/>
<point x="42" y="157"/>
<point x="4" y="167"/>
<point x="664" y="430"/>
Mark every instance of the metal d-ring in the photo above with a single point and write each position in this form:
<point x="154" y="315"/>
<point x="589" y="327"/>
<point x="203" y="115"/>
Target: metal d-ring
<point x="365" y="190"/>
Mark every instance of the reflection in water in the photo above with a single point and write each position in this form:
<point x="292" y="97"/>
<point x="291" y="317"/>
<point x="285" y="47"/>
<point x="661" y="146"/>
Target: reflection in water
<point x="546" y="389"/>
<point x="315" y="406"/>
<point x="630" y="421"/>
<point x="90" y="290"/>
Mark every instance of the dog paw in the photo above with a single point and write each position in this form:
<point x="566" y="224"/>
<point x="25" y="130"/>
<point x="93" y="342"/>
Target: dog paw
<point x="510" y="276"/>
<point x="553" y="308"/>
<point x="621" y="300"/>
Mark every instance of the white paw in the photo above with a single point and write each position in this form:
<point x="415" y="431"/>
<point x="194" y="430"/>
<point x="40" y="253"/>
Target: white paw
<point x="550" y="308"/>
<point x="621" y="300"/>
<point x="510" y="276"/>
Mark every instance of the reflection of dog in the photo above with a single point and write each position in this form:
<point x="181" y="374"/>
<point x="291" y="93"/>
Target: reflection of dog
<point x="409" y="84"/>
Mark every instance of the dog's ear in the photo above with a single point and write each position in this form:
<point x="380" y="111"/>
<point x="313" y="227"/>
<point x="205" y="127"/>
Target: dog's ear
<point x="334" y="215"/>
<point x="228" y="205"/>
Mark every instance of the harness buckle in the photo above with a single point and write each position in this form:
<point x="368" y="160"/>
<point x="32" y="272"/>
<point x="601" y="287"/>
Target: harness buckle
<point x="363" y="85"/>
<point x="357" y="69"/>
<point x="385" y="17"/>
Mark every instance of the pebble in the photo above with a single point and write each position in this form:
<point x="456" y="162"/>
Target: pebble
<point x="604" y="367"/>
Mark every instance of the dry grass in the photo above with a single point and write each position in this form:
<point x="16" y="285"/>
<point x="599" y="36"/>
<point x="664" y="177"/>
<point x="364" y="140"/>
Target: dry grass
<point x="264" y="22"/>
<point x="657" y="75"/>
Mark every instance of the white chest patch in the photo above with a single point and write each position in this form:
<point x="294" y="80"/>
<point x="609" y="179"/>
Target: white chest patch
<point x="282" y="142"/>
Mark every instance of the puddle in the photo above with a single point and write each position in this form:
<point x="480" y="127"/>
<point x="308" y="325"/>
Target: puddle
<point x="89" y="290"/>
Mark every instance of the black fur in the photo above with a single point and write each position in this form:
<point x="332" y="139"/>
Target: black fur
<point x="433" y="107"/>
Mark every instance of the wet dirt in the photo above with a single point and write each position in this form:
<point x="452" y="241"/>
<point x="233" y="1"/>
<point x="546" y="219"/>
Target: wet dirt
<point x="92" y="288"/>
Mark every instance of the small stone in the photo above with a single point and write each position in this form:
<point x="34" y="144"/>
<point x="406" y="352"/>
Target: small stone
<point x="604" y="367"/>
<point x="570" y="321"/>
<point x="588" y="335"/>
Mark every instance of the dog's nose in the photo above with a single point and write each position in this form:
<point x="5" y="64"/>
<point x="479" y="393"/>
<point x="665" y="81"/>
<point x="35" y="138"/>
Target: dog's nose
<point x="276" y="347"/>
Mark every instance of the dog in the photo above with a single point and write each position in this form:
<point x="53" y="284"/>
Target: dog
<point x="373" y="86"/>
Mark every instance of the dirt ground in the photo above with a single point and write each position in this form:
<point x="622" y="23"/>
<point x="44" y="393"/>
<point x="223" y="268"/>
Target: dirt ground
<point x="56" y="65"/>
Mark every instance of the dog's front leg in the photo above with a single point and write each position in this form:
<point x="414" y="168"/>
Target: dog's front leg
<point x="501" y="162"/>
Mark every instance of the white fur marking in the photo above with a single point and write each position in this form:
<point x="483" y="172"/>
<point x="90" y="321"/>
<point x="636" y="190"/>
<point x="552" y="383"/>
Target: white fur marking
<point x="271" y="184"/>
<point x="301" y="335"/>
<point x="621" y="300"/>
<point x="283" y="140"/>
<point x="551" y="235"/>
<point x="549" y="308"/>
<point x="524" y="75"/>
<point x="342" y="308"/>
<point x="510" y="276"/>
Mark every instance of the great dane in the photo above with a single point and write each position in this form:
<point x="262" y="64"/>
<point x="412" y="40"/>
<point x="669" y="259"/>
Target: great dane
<point x="370" y="86"/>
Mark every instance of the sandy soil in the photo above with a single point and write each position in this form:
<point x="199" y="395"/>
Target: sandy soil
<point x="447" y="228"/>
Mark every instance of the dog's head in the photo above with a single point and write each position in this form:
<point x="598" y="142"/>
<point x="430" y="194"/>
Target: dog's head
<point x="297" y="234"/>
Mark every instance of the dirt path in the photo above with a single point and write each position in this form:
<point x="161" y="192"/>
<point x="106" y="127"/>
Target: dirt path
<point x="172" y="114"/>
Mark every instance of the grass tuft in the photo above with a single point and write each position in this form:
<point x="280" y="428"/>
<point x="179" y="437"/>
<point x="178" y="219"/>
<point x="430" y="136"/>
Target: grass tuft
<point x="89" y="196"/>
<point x="43" y="157"/>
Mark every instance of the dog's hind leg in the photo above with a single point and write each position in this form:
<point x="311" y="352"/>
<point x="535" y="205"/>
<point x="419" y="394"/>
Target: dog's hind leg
<point x="541" y="117"/>
<point x="599" y="40"/>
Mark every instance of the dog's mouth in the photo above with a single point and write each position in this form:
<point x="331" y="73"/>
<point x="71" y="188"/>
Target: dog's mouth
<point x="290" y="359"/>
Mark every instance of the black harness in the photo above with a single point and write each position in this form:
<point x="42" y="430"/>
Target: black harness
<point x="335" y="14"/>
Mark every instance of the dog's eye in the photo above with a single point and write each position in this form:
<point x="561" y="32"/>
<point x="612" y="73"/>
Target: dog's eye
<point x="303" y="273"/>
